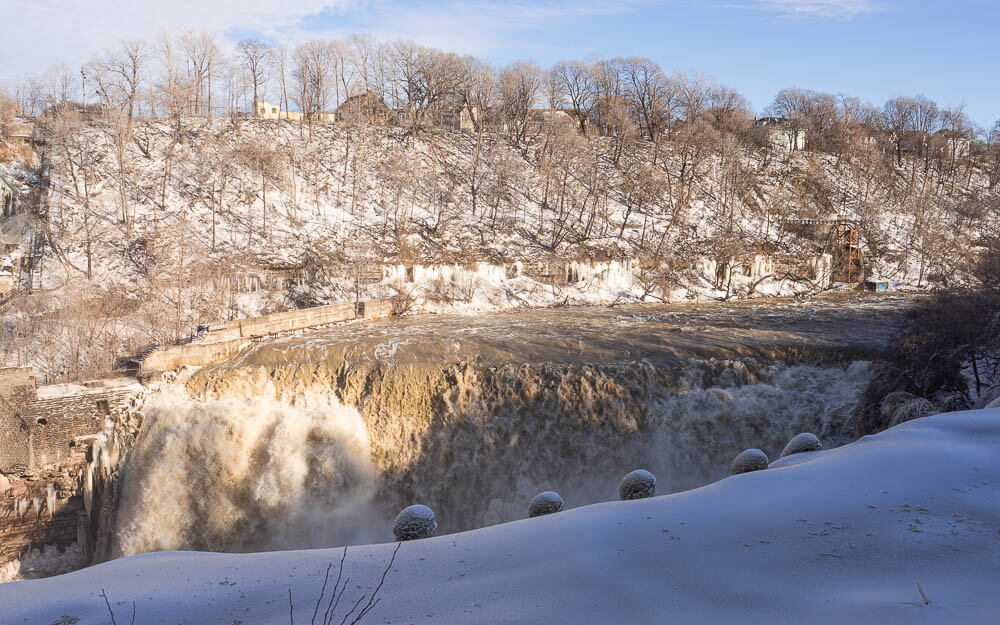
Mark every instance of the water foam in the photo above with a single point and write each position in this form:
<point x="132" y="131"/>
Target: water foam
<point x="247" y="474"/>
<point x="271" y="463"/>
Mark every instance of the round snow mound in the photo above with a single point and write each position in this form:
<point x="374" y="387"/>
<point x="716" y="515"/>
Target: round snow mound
<point x="749" y="460"/>
<point x="800" y="443"/>
<point x="416" y="521"/>
<point x="545" y="503"/>
<point x="638" y="484"/>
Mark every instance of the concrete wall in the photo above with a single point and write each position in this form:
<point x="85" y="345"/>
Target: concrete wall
<point x="376" y="309"/>
<point x="194" y="354"/>
<point x="279" y="322"/>
<point x="225" y="340"/>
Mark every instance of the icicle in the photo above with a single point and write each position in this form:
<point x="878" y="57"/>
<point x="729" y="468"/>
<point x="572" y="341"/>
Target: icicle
<point x="38" y="506"/>
<point x="88" y="488"/>
<point x="50" y="499"/>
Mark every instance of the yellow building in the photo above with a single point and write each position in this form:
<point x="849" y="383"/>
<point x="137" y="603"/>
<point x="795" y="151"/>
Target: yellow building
<point x="266" y="110"/>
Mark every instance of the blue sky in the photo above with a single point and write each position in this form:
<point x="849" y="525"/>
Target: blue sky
<point x="874" y="49"/>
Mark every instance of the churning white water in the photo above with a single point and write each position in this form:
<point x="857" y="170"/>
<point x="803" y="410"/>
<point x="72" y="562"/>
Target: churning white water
<point x="246" y="474"/>
<point x="251" y="472"/>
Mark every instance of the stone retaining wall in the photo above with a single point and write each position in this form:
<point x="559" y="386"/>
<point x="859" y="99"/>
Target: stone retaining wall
<point x="225" y="340"/>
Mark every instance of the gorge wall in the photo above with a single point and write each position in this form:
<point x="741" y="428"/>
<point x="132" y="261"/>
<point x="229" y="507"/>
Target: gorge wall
<point x="59" y="449"/>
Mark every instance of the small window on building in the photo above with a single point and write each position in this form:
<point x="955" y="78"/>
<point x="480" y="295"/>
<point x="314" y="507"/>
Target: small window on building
<point x="274" y="109"/>
<point x="42" y="421"/>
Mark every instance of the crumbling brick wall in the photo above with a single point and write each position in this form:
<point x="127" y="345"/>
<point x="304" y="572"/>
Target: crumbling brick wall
<point x="56" y="422"/>
<point x="39" y="429"/>
<point x="17" y="389"/>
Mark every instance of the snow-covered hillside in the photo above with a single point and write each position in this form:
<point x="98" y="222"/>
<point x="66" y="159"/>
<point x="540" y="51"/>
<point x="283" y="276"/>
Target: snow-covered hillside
<point x="135" y="243"/>
<point x="900" y="527"/>
<point x="217" y="194"/>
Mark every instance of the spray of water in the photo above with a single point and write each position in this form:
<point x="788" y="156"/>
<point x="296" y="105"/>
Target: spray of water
<point x="246" y="474"/>
<point x="270" y="459"/>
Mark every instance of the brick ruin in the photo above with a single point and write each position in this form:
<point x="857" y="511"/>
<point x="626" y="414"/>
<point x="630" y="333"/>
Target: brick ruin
<point x="58" y="455"/>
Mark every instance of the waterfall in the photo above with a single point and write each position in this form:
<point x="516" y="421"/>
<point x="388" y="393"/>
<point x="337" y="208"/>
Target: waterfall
<point x="254" y="458"/>
<point x="245" y="474"/>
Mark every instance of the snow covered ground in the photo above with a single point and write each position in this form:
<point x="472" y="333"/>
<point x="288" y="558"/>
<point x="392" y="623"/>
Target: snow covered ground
<point x="837" y="536"/>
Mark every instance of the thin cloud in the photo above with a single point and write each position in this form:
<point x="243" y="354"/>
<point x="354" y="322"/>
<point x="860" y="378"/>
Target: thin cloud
<point x="47" y="32"/>
<point x="74" y="31"/>
<point x="837" y="9"/>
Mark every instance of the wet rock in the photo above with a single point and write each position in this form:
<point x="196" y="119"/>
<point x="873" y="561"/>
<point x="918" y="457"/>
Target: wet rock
<point x="414" y="522"/>
<point x="749" y="460"/>
<point x="545" y="503"/>
<point x="638" y="484"/>
<point x="802" y="443"/>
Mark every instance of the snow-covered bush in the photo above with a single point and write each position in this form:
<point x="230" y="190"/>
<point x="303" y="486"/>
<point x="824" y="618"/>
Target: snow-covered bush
<point x="951" y="402"/>
<point x="749" y="460"/>
<point x="800" y="443"/>
<point x="638" y="484"/>
<point x="987" y="397"/>
<point x="414" y="522"/>
<point x="913" y="409"/>
<point x="891" y="403"/>
<point x="545" y="503"/>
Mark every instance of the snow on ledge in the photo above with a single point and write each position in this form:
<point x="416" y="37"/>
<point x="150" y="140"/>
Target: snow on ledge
<point x="839" y="536"/>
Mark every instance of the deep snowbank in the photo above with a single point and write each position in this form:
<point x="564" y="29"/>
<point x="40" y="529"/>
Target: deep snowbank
<point x="837" y="536"/>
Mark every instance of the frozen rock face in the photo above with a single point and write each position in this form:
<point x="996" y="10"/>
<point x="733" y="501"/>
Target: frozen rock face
<point x="913" y="409"/>
<point x="749" y="460"/>
<point x="801" y="443"/>
<point x="545" y="503"/>
<point x="415" y="522"/>
<point x="638" y="484"/>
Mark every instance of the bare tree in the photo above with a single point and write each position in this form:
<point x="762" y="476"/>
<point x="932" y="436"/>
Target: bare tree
<point x="694" y="93"/>
<point x="424" y="78"/>
<point x="313" y="73"/>
<point x="480" y="92"/>
<point x="520" y="86"/>
<point x="280" y="56"/>
<point x="202" y="54"/>
<point x="253" y="58"/>
<point x="653" y="98"/>
<point x="575" y="82"/>
<point x="119" y="76"/>
<point x="898" y="116"/>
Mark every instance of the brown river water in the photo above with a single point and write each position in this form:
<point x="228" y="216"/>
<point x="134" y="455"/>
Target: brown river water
<point x="318" y="439"/>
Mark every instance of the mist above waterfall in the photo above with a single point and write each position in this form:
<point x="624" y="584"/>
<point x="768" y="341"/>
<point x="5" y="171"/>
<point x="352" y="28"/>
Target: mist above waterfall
<point x="246" y="474"/>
